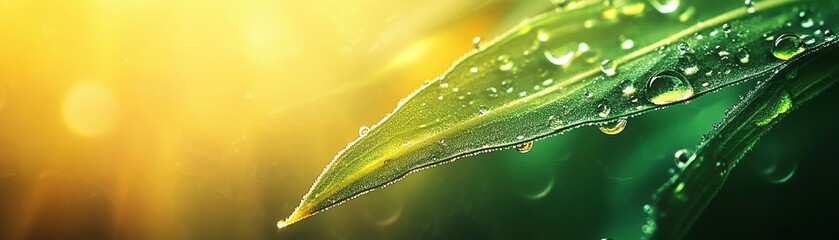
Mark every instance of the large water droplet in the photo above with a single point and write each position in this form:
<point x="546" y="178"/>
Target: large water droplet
<point x="524" y="147"/>
<point x="613" y="128"/>
<point x="683" y="158"/>
<point x="363" y="130"/>
<point x="787" y="46"/>
<point x="665" y="6"/>
<point x="668" y="87"/>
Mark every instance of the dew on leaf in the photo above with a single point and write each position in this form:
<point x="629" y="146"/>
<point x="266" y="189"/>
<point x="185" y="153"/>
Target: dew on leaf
<point x="613" y="128"/>
<point x="668" y="87"/>
<point x="787" y="46"/>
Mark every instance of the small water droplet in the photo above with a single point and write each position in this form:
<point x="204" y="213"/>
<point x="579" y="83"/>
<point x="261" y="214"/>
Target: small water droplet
<point x="444" y="85"/>
<point x="492" y="91"/>
<point x="806" y="20"/>
<point x="726" y="27"/>
<point x="787" y="46"/>
<point x="555" y="123"/>
<point x="807" y="23"/>
<point x="743" y="55"/>
<point x="524" y="147"/>
<point x="691" y="70"/>
<point x="665" y="6"/>
<point x="808" y="39"/>
<point x="363" y="130"/>
<point x="684" y="48"/>
<point x="473" y="70"/>
<point x="750" y="6"/>
<point x="548" y="82"/>
<point x="483" y="110"/>
<point x="668" y="87"/>
<point x="542" y="35"/>
<point x="683" y="158"/>
<point x="698" y="36"/>
<point x="829" y="36"/>
<point x="608" y="67"/>
<point x="603" y="110"/>
<point x="504" y="63"/>
<point x="648" y="209"/>
<point x="563" y="60"/>
<point x="476" y="42"/>
<point x="588" y="94"/>
<point x="627" y="44"/>
<point x="613" y="128"/>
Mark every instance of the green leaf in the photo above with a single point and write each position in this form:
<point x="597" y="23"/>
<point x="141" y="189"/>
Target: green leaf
<point x="595" y="62"/>
<point x="682" y="199"/>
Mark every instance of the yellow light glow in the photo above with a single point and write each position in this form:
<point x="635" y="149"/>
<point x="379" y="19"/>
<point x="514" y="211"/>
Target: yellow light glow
<point x="90" y="109"/>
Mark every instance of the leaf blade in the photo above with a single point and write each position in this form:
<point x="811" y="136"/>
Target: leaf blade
<point x="517" y="89"/>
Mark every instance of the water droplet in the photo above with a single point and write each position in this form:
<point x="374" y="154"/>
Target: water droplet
<point x="750" y="6"/>
<point x="608" y="67"/>
<point x="829" y="36"/>
<point x="363" y="130"/>
<point x="808" y="39"/>
<point x="504" y="63"/>
<point x="684" y="48"/>
<point x="444" y="85"/>
<point x="563" y="60"/>
<point x="542" y="35"/>
<point x="627" y="44"/>
<point x="806" y="20"/>
<point x="629" y="90"/>
<point x="698" y="36"/>
<point x="787" y="46"/>
<point x="603" y="110"/>
<point x="548" y="82"/>
<point x="683" y="157"/>
<point x="524" y="147"/>
<point x="473" y="70"/>
<point x="476" y="42"/>
<point x="665" y="6"/>
<point x="613" y="128"/>
<point x="807" y="23"/>
<point x="483" y="110"/>
<point x="648" y="209"/>
<point x="492" y="91"/>
<point x="726" y="27"/>
<point x="743" y="55"/>
<point x="668" y="87"/>
<point x="588" y="94"/>
<point x="691" y="70"/>
<point x="555" y="123"/>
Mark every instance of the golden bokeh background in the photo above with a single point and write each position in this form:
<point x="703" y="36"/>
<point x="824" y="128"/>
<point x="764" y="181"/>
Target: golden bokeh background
<point x="157" y="119"/>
